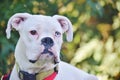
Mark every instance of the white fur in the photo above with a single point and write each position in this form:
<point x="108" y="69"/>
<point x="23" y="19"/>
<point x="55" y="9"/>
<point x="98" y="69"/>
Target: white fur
<point x="29" y="46"/>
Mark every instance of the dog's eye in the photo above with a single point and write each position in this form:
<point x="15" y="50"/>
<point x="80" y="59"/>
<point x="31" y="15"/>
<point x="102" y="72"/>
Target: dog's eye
<point x="57" y="34"/>
<point x="33" y="32"/>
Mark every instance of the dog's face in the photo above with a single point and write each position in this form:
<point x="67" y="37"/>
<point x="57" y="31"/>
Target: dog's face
<point x="42" y="35"/>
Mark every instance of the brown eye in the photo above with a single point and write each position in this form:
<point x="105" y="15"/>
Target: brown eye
<point x="33" y="32"/>
<point x="57" y="34"/>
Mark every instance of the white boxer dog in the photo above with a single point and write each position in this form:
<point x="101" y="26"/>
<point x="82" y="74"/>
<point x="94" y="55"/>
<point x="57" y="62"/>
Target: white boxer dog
<point x="37" y="52"/>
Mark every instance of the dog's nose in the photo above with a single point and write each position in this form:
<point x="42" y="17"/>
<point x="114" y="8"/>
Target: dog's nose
<point x="47" y="42"/>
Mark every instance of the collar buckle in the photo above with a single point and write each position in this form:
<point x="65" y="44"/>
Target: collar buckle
<point x="26" y="76"/>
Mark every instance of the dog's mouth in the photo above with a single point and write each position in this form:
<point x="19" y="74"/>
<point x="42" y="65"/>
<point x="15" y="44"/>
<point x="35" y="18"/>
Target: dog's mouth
<point x="46" y="55"/>
<point x="46" y="51"/>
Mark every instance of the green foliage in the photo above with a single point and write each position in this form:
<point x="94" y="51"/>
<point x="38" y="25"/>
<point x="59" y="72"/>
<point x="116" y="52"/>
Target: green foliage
<point x="96" y="44"/>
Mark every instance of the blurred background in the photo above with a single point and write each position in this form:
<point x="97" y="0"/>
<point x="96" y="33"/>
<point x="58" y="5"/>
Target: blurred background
<point x="96" y="44"/>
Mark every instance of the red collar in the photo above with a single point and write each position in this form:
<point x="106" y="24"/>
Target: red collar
<point x="27" y="76"/>
<point x="5" y="77"/>
<point x="51" y="77"/>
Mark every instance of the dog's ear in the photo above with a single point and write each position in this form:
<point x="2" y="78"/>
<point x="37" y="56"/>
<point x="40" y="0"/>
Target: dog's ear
<point x="66" y="26"/>
<point x="15" y="21"/>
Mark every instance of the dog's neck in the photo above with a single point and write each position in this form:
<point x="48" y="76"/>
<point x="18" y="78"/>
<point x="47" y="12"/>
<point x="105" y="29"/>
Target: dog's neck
<point x="24" y="63"/>
<point x="46" y="75"/>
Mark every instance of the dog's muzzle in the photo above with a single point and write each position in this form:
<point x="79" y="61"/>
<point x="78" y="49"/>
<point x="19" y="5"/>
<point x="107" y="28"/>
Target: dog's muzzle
<point x="46" y="51"/>
<point x="47" y="42"/>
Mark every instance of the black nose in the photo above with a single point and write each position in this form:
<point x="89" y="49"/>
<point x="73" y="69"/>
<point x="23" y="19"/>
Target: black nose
<point x="47" y="42"/>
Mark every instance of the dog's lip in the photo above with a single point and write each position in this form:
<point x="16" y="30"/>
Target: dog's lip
<point x="32" y="61"/>
<point x="46" y="51"/>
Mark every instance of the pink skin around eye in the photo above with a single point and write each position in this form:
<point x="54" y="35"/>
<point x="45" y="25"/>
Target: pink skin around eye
<point x="34" y="34"/>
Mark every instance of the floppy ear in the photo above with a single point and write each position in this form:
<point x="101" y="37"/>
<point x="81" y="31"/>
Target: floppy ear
<point x="15" y="21"/>
<point x="66" y="26"/>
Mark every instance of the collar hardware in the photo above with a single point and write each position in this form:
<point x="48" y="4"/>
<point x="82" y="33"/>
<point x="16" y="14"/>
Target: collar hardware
<point x="26" y="76"/>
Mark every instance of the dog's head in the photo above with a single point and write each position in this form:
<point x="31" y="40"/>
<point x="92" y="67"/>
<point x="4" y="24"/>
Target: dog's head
<point x="41" y="35"/>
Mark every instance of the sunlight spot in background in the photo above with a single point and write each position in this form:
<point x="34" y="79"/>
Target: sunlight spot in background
<point x="84" y="52"/>
<point x="116" y="22"/>
<point x="118" y="5"/>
